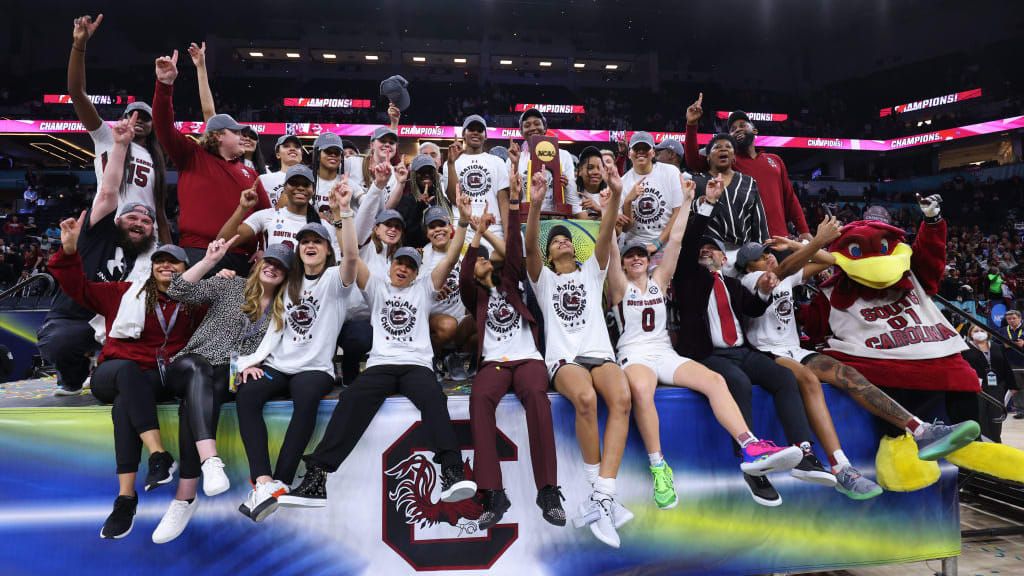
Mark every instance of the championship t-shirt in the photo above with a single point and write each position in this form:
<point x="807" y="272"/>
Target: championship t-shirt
<point x="273" y="183"/>
<point x="652" y="208"/>
<point x="447" y="299"/>
<point x="400" y="318"/>
<point x="777" y="327"/>
<point x="139" y="179"/>
<point x="507" y="337"/>
<point x="311" y="325"/>
<point x="482" y="176"/>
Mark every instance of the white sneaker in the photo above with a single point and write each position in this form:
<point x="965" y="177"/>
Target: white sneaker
<point x="215" y="481"/>
<point x="620" y="514"/>
<point x="603" y="527"/>
<point x="260" y="503"/>
<point x="278" y="488"/>
<point x="174" y="521"/>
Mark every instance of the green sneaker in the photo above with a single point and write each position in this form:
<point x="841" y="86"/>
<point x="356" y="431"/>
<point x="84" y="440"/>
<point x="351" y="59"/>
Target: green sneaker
<point x="664" y="488"/>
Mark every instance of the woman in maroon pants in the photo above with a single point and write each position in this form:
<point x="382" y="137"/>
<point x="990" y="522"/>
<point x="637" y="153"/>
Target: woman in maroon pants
<point x="509" y="338"/>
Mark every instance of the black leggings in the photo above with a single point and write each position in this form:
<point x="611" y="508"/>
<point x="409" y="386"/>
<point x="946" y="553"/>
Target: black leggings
<point x="305" y="389"/>
<point x="202" y="388"/>
<point x="134" y="393"/>
<point x="359" y="403"/>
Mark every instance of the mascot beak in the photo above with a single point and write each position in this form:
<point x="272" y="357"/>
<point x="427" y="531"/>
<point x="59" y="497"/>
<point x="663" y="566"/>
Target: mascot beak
<point x="877" y="271"/>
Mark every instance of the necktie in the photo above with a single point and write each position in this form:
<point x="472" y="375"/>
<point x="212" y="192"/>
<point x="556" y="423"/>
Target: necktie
<point x="725" y="312"/>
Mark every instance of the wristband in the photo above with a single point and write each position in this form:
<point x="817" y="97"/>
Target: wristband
<point x="657" y="244"/>
<point x="933" y="219"/>
<point x="338" y="223"/>
<point x="463" y="224"/>
<point x="347" y="214"/>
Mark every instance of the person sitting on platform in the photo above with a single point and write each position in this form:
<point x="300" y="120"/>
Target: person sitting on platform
<point x="202" y="376"/>
<point x="145" y="327"/>
<point x="400" y="362"/>
<point x="638" y="298"/>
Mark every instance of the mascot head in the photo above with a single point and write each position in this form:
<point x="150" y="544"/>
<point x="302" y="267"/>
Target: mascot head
<point x="872" y="257"/>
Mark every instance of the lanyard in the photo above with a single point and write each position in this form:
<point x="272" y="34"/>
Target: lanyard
<point x="163" y="322"/>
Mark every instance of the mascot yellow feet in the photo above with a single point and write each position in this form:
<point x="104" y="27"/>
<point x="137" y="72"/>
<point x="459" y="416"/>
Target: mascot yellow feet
<point x="898" y="467"/>
<point x="989" y="458"/>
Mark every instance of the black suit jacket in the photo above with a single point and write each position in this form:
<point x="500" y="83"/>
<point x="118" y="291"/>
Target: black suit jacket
<point x="692" y="286"/>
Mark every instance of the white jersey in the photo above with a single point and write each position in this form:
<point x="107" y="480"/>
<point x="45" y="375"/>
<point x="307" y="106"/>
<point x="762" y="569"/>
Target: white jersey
<point x="652" y="208"/>
<point x="273" y="183"/>
<point x="482" y="176"/>
<point x="140" y="178"/>
<point x="573" y="315"/>
<point x="777" y="327"/>
<point x="906" y="328"/>
<point x="447" y="300"/>
<point x="311" y="325"/>
<point x="641" y="316"/>
<point x="507" y="336"/>
<point x="572" y="196"/>
<point x="400" y="321"/>
<point x="279" y="225"/>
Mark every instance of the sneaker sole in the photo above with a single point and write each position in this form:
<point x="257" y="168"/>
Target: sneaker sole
<point x="763" y="501"/>
<point x="62" y="392"/>
<point x="178" y="533"/>
<point x="783" y="460"/>
<point x="168" y="480"/>
<point x="814" y="477"/>
<point x="291" y="501"/>
<point x="459" y="491"/>
<point x="119" y="536"/>
<point x="263" y="510"/>
<point x="856" y="496"/>
<point x="554" y="521"/>
<point x="963" y="436"/>
<point x="669" y="506"/>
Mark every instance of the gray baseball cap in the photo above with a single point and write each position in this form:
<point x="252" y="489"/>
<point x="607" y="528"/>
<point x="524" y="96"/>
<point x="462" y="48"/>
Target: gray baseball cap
<point x="389" y="214"/>
<point x="474" y="119"/>
<point x="138" y="207"/>
<point x="328" y="140"/>
<point x="436" y="214"/>
<point x="395" y="89"/>
<point x="499" y="151"/>
<point x="287" y="138"/>
<point x="411" y="253"/>
<point x="281" y="253"/>
<point x="634" y="245"/>
<point x="222" y="122"/>
<point x="641" y="138"/>
<point x="750" y="252"/>
<point x="138" y="107"/>
<point x="313" y="228"/>
<point x="383" y="131"/>
<point x="422" y="161"/>
<point x="532" y="112"/>
<point x="671" y="144"/>
<point x="299" y="170"/>
<point x="176" y="252"/>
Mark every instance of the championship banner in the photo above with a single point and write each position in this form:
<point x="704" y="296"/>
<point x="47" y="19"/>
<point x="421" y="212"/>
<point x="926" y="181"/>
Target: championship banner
<point x="101" y="99"/>
<point x="552" y="108"/>
<point x="384" y="514"/>
<point x="755" y="116"/>
<point x="327" y="103"/>
<point x="930" y="102"/>
<point x="562" y="135"/>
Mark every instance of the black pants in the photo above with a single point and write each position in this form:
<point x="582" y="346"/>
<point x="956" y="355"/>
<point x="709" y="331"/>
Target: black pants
<point x="744" y="367"/>
<point x="355" y="339"/>
<point x="202" y="389"/>
<point x="305" y="389"/>
<point x="231" y="261"/>
<point x="928" y="405"/>
<point x="134" y="393"/>
<point x="68" y="343"/>
<point x="359" y="403"/>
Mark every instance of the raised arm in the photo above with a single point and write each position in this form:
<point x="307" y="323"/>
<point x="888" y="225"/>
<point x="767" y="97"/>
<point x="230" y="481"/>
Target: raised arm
<point x="512" y="249"/>
<point x="106" y="197"/>
<point x="928" y="261"/>
<point x="467" y="286"/>
<point x="617" y="281"/>
<point x="454" y="151"/>
<point x="663" y="273"/>
<point x="352" y="268"/>
<point x="235" y="225"/>
<point x="602" y="246"/>
<point x="176" y="144"/>
<point x="444" y="267"/>
<point x="828" y="231"/>
<point x="694" y="161"/>
<point x="534" y="256"/>
<point x="369" y="206"/>
<point x="198" y="54"/>
<point x="394" y="116"/>
<point x="401" y="172"/>
<point x="214" y="253"/>
<point x="191" y="288"/>
<point x="84" y="28"/>
<point x="66" y="267"/>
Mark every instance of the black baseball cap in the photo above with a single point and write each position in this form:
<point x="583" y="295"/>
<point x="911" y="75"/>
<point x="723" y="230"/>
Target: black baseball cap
<point x="737" y="115"/>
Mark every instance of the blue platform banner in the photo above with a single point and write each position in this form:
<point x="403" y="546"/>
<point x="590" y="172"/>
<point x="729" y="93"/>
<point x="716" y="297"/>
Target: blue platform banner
<point x="384" y="514"/>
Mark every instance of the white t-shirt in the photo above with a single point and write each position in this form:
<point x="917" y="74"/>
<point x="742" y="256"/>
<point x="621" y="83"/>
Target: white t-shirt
<point x="507" y="337"/>
<point x="777" y="327"/>
<point x="572" y="197"/>
<point x="401" y="322"/>
<point x="652" y="208"/>
<point x="482" y="176"/>
<point x="280" y="227"/>
<point x="139" y="180"/>
<point x="447" y="300"/>
<point x="641" y="317"/>
<point x="312" y="325"/>
<point x="573" y="315"/>
<point x="273" y="183"/>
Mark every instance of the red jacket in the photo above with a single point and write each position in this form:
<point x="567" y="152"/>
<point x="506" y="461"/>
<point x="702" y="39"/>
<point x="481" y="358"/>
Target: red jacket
<point x="208" y="185"/>
<point x="780" y="202"/>
<point x="105" y="298"/>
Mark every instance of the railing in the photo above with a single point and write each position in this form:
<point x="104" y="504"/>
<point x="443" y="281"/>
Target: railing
<point x="18" y="289"/>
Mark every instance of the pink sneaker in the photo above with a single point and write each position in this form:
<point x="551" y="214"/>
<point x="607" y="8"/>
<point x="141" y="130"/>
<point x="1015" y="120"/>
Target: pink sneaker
<point x="763" y="456"/>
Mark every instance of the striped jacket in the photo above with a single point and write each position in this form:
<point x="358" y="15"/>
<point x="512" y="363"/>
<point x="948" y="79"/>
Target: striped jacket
<point x="739" y="215"/>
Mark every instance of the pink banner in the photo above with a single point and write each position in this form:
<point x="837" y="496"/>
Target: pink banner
<point x="756" y="116"/>
<point x="425" y="131"/>
<point x="101" y="99"/>
<point x="327" y="103"/>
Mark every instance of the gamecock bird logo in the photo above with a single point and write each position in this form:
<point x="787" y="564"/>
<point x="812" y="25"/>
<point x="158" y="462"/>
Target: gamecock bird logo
<point x="412" y="496"/>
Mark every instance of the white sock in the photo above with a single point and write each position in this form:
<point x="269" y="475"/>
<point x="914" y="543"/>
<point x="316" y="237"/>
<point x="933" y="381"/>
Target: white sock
<point x="806" y="447"/>
<point x="841" y="461"/>
<point x="921" y="427"/>
<point x="591" y="470"/>
<point x="605" y="486"/>
<point x="656" y="458"/>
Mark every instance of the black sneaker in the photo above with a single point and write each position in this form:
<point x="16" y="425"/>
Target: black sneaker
<point x="119" y="523"/>
<point x="1018" y="416"/>
<point x="495" y="504"/>
<point x="810" y="470"/>
<point x="762" y="491"/>
<point x="454" y="486"/>
<point x="311" y="493"/>
<point x="161" y="470"/>
<point x="550" y="501"/>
